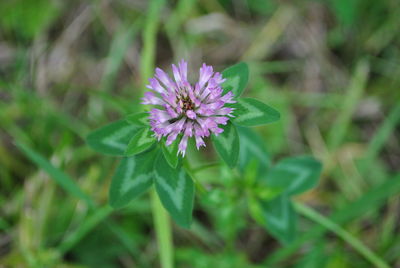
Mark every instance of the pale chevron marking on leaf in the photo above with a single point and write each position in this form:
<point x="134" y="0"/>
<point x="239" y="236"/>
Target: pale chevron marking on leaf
<point x="144" y="138"/>
<point x="254" y="112"/>
<point x="112" y="140"/>
<point x="233" y="82"/>
<point x="129" y="182"/>
<point x="140" y="119"/>
<point x="227" y="141"/>
<point x="280" y="222"/>
<point x="301" y="173"/>
<point x="176" y="195"/>
<point x="170" y="152"/>
<point x="256" y="149"/>
<point x="144" y="119"/>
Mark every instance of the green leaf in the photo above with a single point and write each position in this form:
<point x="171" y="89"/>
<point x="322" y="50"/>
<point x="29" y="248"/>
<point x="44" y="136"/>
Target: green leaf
<point x="138" y="119"/>
<point x="251" y="112"/>
<point x="236" y="77"/>
<point x="133" y="177"/>
<point x="227" y="144"/>
<point x="171" y="152"/>
<point x="176" y="191"/>
<point x="252" y="148"/>
<point x="142" y="141"/>
<point x="295" y="175"/>
<point x="66" y="182"/>
<point x="113" y="138"/>
<point x="280" y="218"/>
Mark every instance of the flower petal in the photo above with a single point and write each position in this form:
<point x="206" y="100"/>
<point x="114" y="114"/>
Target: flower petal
<point x="155" y="85"/>
<point x="151" y="98"/>
<point x="191" y="114"/>
<point x="177" y="76"/>
<point x="183" y="145"/>
<point x="183" y="69"/>
<point x="199" y="142"/>
<point x="171" y="137"/>
<point x="165" y="79"/>
<point x="205" y="74"/>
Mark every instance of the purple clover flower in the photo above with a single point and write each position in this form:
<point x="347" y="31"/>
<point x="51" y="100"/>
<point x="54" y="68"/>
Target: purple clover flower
<point x="181" y="108"/>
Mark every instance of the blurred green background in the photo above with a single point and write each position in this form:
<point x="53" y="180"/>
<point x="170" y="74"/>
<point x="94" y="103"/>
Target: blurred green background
<point x="332" y="68"/>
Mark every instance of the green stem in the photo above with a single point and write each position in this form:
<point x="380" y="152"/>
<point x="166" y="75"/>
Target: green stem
<point x="162" y="224"/>
<point x="149" y="36"/>
<point x="161" y="220"/>
<point x="343" y="234"/>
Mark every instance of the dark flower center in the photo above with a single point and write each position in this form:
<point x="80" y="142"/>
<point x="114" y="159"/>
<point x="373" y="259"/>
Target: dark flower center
<point x="187" y="104"/>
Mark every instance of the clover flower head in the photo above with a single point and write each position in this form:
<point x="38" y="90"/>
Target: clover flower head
<point x="182" y="108"/>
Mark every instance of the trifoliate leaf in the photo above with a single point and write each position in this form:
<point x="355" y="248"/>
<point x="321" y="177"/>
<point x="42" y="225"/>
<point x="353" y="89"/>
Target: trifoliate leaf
<point x="236" y="77"/>
<point x="140" y="142"/>
<point x="252" y="148"/>
<point x="294" y="175"/>
<point x="133" y="177"/>
<point x="251" y="112"/>
<point x="176" y="191"/>
<point x="280" y="218"/>
<point x="138" y="119"/>
<point x="112" y="138"/>
<point x="227" y="144"/>
<point x="171" y="152"/>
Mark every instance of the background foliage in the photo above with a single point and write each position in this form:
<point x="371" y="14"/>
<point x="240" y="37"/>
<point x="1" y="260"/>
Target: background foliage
<point x="330" y="67"/>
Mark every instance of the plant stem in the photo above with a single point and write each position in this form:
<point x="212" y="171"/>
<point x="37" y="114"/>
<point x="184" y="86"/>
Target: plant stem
<point x="149" y="36"/>
<point x="342" y="233"/>
<point x="161" y="219"/>
<point x="163" y="231"/>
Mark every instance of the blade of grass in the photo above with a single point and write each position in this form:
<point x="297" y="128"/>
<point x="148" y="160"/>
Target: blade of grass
<point x="119" y="45"/>
<point x="387" y="31"/>
<point x="174" y="24"/>
<point x="69" y="185"/>
<point x="150" y="38"/>
<point x="85" y="227"/>
<point x="178" y="16"/>
<point x="383" y="133"/>
<point x="58" y="176"/>
<point x="43" y="107"/>
<point x="124" y="237"/>
<point x="270" y="34"/>
<point x="72" y="188"/>
<point x="342" y="233"/>
<point x="371" y="200"/>
<point x="353" y="95"/>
